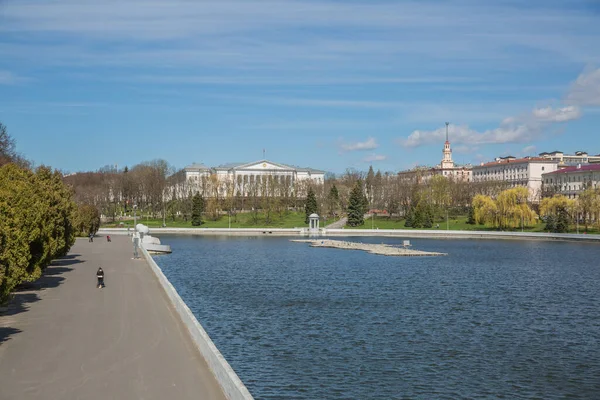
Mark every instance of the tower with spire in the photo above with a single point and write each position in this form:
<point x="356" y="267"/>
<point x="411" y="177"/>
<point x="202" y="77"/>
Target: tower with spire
<point x="447" y="159"/>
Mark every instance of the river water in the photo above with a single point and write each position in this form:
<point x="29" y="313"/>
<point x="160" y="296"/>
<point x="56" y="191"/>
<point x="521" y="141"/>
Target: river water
<point x="493" y="319"/>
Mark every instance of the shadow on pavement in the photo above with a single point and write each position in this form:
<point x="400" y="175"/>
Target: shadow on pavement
<point x="62" y="261"/>
<point x="6" y="333"/>
<point x="69" y="257"/>
<point x="25" y="294"/>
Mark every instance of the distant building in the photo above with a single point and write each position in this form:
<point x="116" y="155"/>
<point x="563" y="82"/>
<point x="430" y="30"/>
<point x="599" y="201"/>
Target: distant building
<point x="526" y="172"/>
<point x="244" y="175"/>
<point x="446" y="168"/>
<point x="195" y="171"/>
<point x="571" y="181"/>
<point x="580" y="157"/>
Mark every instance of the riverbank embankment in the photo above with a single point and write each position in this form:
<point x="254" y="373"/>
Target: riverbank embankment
<point x="381" y="249"/>
<point x="403" y="233"/>
<point x="63" y="338"/>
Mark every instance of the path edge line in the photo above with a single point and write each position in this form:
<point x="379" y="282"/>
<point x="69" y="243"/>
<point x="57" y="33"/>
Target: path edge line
<point x="231" y="384"/>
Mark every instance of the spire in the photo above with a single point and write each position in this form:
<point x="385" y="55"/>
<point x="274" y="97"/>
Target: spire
<point x="447" y="123"/>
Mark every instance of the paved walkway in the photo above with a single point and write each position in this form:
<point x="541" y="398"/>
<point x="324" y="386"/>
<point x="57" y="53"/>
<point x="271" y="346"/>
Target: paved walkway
<point x="338" y="224"/>
<point x="62" y="338"/>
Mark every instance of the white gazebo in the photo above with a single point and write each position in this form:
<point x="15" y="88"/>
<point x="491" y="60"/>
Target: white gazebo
<point x="313" y="223"/>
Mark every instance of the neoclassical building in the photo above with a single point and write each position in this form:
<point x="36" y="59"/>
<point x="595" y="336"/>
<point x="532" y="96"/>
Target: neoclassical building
<point x="245" y="176"/>
<point x="526" y="172"/>
<point x="571" y="181"/>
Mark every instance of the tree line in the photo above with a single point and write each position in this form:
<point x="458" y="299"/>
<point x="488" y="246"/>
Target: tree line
<point x="39" y="219"/>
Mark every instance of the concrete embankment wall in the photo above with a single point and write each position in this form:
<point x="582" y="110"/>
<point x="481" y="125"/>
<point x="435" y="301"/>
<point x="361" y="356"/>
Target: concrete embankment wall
<point x="214" y="231"/>
<point x="233" y="387"/>
<point x="406" y="233"/>
<point x="441" y="234"/>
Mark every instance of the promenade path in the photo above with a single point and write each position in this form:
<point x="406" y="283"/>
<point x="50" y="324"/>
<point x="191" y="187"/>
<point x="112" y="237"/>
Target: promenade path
<point x="62" y="338"/>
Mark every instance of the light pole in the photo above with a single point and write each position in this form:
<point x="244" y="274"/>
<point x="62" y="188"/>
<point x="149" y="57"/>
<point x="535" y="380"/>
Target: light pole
<point x="447" y="222"/>
<point x="229" y="215"/>
<point x="136" y="239"/>
<point x="372" y="217"/>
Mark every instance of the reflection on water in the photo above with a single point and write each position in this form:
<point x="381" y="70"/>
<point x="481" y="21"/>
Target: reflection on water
<point x="493" y="319"/>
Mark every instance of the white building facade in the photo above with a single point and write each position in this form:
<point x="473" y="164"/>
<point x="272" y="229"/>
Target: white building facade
<point x="580" y="157"/>
<point x="526" y="172"/>
<point x="571" y="181"/>
<point x="244" y="177"/>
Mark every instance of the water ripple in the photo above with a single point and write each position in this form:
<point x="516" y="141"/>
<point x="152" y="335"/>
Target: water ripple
<point x="494" y="319"/>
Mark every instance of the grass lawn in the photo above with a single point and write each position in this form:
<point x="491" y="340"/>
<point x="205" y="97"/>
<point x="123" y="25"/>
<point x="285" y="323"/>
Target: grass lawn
<point x="242" y="220"/>
<point x="296" y="220"/>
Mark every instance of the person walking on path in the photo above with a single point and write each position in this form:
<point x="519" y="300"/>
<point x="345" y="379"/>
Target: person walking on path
<point x="91" y="237"/>
<point x="100" y="276"/>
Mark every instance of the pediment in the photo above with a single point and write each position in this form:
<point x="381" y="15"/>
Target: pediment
<point x="262" y="165"/>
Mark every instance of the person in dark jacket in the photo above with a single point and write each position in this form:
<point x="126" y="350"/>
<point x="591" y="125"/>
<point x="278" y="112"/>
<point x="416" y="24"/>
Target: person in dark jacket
<point x="100" y="276"/>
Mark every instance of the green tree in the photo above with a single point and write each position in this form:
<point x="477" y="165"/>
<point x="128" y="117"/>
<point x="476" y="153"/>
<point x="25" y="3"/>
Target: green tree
<point x="356" y="206"/>
<point x="310" y="205"/>
<point x="471" y="217"/>
<point x="197" y="209"/>
<point x="334" y="200"/>
<point x="562" y="221"/>
<point x="36" y="224"/>
<point x="87" y="219"/>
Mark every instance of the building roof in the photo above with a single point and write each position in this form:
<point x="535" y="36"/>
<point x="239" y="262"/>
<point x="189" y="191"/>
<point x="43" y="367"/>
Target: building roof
<point x="516" y="161"/>
<point x="284" y="166"/>
<point x="582" y="168"/>
<point x="196" y="166"/>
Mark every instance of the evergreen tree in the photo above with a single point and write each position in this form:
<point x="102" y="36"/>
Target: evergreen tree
<point x="428" y="217"/>
<point x="310" y="205"/>
<point x="356" y="206"/>
<point x="334" y="200"/>
<point x="551" y="223"/>
<point x="197" y="209"/>
<point x="471" y="219"/>
<point x="409" y="218"/>
<point x="417" y="219"/>
<point x="562" y="222"/>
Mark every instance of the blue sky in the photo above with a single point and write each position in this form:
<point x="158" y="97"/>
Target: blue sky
<point x="327" y="84"/>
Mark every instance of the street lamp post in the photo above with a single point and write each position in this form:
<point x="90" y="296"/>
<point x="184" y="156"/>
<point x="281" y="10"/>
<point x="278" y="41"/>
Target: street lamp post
<point x="136" y="239"/>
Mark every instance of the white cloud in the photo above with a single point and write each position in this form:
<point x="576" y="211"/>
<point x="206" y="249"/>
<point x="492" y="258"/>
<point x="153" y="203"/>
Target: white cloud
<point x="369" y="144"/>
<point x="528" y="150"/>
<point x="464" y="149"/>
<point x="284" y="34"/>
<point x="517" y="129"/>
<point x="374" y="157"/>
<point x="585" y="91"/>
<point x="549" y="114"/>
<point x="8" y="78"/>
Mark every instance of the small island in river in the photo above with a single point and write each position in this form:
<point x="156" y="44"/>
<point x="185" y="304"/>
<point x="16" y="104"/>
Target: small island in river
<point x="382" y="249"/>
